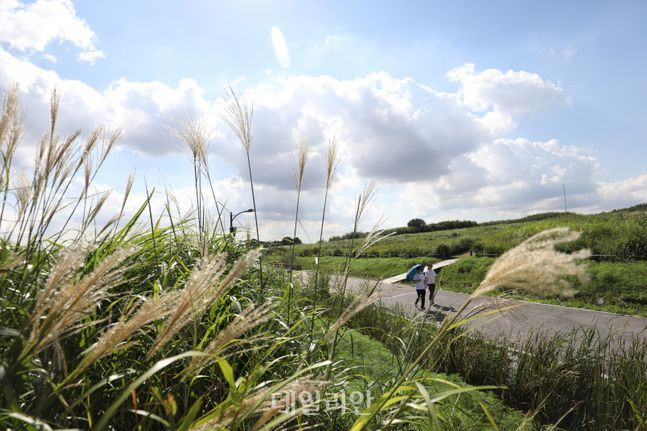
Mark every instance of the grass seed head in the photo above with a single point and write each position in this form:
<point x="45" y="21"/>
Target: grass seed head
<point x="536" y="267"/>
<point x="332" y="161"/>
<point x="251" y="317"/>
<point x="238" y="116"/>
<point x="300" y="159"/>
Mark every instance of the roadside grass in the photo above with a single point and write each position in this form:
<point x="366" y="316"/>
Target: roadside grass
<point x="578" y="380"/>
<point x="377" y="366"/>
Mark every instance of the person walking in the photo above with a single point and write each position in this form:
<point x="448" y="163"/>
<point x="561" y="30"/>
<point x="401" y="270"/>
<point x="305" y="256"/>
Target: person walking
<point x="419" y="278"/>
<point x="430" y="281"/>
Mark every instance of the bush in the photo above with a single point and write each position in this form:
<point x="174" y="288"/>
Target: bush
<point x="443" y="251"/>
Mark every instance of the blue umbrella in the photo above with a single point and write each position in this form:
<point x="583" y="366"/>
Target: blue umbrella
<point x="413" y="271"/>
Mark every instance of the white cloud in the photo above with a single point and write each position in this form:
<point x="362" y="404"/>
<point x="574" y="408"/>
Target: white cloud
<point x="280" y="47"/>
<point x="91" y="56"/>
<point x="142" y="109"/>
<point x="428" y="149"/>
<point x="33" y="26"/>
<point x="504" y="96"/>
<point x="388" y="128"/>
<point x="620" y="194"/>
<point x="513" y="173"/>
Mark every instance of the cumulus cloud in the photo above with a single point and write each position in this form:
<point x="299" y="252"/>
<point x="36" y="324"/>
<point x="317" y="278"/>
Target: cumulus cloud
<point x="388" y="128"/>
<point x="435" y="154"/>
<point x="620" y="194"/>
<point x="280" y="47"/>
<point x="503" y="96"/>
<point x="514" y="173"/>
<point x="143" y="110"/>
<point x="33" y="26"/>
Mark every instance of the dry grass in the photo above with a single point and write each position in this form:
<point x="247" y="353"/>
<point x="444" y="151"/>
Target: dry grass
<point x="535" y="266"/>
<point x="204" y="287"/>
<point x="355" y="307"/>
<point x="251" y="317"/>
<point x="66" y="303"/>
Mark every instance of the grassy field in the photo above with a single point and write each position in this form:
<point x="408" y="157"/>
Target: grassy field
<point x="376" y="365"/>
<point x="622" y="235"/>
<point x="618" y="273"/>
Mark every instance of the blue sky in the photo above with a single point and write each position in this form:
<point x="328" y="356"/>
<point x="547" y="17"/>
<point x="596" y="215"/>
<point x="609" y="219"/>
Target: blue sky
<point x="495" y="104"/>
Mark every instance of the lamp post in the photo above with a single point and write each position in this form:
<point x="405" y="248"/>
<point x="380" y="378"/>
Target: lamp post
<point x="232" y="229"/>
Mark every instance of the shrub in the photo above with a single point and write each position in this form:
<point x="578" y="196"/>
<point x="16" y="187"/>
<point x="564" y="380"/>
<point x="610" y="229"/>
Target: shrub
<point x="443" y="251"/>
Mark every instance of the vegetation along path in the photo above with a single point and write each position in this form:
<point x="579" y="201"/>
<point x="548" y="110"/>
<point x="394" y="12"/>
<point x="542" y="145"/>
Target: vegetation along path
<point x="514" y="325"/>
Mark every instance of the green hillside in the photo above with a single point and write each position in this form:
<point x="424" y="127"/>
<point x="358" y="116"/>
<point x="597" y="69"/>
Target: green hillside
<point x="618" y="235"/>
<point x="617" y="239"/>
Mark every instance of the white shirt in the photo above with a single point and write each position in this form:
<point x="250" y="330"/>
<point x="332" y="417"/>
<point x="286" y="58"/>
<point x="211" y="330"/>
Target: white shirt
<point x="430" y="277"/>
<point x="419" y="278"/>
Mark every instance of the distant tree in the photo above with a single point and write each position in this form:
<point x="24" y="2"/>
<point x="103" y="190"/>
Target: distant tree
<point x="286" y="240"/>
<point x="417" y="224"/>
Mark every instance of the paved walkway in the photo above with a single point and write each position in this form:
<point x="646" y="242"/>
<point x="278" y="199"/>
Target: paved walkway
<point x="514" y="325"/>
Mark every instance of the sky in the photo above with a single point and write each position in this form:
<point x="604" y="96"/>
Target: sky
<point x="455" y="110"/>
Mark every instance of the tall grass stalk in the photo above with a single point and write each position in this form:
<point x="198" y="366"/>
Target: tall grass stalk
<point x="362" y="203"/>
<point x="332" y="163"/>
<point x="195" y="135"/>
<point x="238" y="117"/>
<point x="10" y="133"/>
<point x="300" y="159"/>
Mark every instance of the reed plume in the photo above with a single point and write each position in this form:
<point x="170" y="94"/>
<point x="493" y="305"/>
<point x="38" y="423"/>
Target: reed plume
<point x="355" y="307"/>
<point x="238" y="117"/>
<point x="270" y="401"/>
<point x="11" y="130"/>
<point x="193" y="134"/>
<point x="300" y="158"/>
<point x="205" y="285"/>
<point x="65" y="304"/>
<point x="374" y="236"/>
<point x="251" y="317"/>
<point x="536" y="267"/>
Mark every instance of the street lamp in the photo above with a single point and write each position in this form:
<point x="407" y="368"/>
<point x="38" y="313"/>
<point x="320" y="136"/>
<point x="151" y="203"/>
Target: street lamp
<point x="232" y="229"/>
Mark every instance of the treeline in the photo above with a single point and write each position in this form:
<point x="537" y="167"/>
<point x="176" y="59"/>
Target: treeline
<point x="413" y="226"/>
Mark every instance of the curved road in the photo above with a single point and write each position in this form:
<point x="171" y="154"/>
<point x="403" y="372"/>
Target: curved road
<point x="516" y="324"/>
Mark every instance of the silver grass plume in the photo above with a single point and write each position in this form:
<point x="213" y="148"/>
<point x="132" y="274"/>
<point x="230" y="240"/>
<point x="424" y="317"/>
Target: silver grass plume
<point x="112" y="340"/>
<point x="358" y="304"/>
<point x="205" y="285"/>
<point x="65" y="301"/>
<point x="536" y="267"/>
<point x="263" y="401"/>
<point x="251" y="317"/>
